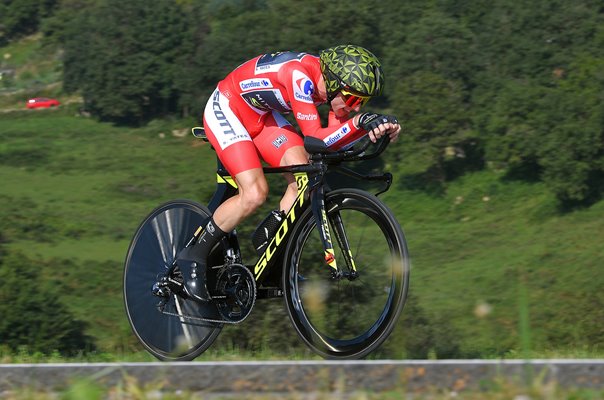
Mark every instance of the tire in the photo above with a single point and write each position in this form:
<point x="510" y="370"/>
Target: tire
<point x="347" y="319"/>
<point x="154" y="247"/>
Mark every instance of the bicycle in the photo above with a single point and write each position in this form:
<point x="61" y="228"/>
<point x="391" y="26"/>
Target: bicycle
<point x="340" y="312"/>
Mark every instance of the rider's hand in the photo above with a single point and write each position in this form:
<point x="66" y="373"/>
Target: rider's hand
<point x="378" y="125"/>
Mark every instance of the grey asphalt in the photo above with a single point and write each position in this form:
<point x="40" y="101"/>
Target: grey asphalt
<point x="306" y="376"/>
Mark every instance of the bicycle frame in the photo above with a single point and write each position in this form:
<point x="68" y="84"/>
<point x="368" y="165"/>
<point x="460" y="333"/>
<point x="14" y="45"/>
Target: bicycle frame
<point x="309" y="179"/>
<point x="311" y="193"/>
<point x="288" y="267"/>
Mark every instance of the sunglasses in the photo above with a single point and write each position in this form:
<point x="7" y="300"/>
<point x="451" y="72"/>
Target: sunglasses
<point x="353" y="99"/>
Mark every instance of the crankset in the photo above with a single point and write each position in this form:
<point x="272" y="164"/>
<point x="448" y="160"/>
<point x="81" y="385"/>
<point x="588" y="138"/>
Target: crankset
<point x="237" y="287"/>
<point x="234" y="296"/>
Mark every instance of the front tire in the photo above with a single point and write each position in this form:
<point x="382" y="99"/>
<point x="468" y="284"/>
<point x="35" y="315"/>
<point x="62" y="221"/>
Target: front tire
<point x="347" y="319"/>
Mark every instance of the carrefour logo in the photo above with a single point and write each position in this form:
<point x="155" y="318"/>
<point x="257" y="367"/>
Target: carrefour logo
<point x="255" y="84"/>
<point x="307" y="86"/>
<point x="332" y="139"/>
<point x="337" y="135"/>
<point x="303" y="87"/>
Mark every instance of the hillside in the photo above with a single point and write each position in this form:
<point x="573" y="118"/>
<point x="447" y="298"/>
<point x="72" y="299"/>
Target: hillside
<point x="28" y="69"/>
<point x="497" y="176"/>
<point x="487" y="255"/>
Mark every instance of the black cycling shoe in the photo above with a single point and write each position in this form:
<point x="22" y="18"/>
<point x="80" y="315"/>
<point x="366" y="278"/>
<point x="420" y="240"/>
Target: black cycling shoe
<point x="195" y="287"/>
<point x="195" y="256"/>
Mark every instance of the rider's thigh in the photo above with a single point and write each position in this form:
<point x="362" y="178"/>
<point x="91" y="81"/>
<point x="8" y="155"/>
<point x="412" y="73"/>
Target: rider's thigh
<point x="276" y="138"/>
<point x="294" y="155"/>
<point x="253" y="189"/>
<point x="228" y="136"/>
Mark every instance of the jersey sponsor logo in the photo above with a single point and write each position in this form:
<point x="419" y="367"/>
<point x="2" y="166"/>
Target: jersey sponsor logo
<point x="250" y="84"/>
<point x="221" y="119"/>
<point x="303" y="87"/>
<point x="279" y="141"/>
<point x="219" y="114"/>
<point x="274" y="61"/>
<point x="266" y="100"/>
<point x="337" y="135"/>
<point x="306" y="117"/>
<point x="258" y="103"/>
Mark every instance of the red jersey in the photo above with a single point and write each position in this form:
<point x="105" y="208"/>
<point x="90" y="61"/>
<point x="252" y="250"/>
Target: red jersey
<point x="243" y="118"/>
<point x="284" y="82"/>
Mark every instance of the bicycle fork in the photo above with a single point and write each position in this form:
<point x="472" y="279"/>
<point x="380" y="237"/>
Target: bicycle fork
<point x="323" y="225"/>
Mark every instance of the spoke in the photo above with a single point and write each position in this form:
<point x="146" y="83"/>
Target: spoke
<point x="350" y="317"/>
<point x="361" y="238"/>
<point x="161" y="240"/>
<point x="184" y="326"/>
<point x="339" y="295"/>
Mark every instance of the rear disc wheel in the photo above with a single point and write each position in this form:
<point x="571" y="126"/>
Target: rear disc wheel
<point x="152" y="251"/>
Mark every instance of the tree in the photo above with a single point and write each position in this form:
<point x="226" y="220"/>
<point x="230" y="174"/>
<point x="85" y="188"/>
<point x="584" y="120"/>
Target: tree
<point x="22" y="17"/>
<point x="32" y="317"/>
<point x="553" y="133"/>
<point x="510" y="126"/>
<point x="55" y="27"/>
<point x="572" y="150"/>
<point x="220" y="37"/>
<point x="317" y="24"/>
<point x="122" y="57"/>
<point x="435" y="118"/>
<point x="226" y="34"/>
<point x="433" y="43"/>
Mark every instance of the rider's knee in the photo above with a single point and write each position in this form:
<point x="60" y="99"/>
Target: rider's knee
<point x="254" y="196"/>
<point x="292" y="187"/>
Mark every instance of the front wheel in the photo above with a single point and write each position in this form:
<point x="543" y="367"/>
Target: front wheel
<point x="347" y="318"/>
<point x="171" y="332"/>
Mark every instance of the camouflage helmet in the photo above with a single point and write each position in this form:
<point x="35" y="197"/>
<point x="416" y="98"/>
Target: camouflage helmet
<point x="351" y="67"/>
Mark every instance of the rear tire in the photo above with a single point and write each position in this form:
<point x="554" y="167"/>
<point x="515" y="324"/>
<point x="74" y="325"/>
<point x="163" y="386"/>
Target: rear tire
<point x="153" y="249"/>
<point x="347" y="319"/>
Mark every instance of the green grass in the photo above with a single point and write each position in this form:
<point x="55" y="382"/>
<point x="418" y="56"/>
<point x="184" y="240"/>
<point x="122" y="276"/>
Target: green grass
<point x="96" y="248"/>
<point x="22" y="52"/>
<point x="484" y="241"/>
<point x="74" y="190"/>
<point x="36" y="66"/>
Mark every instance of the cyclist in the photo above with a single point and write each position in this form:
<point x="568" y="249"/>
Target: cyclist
<point x="244" y="123"/>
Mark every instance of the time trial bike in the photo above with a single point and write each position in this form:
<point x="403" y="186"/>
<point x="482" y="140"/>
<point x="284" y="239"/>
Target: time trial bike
<point x="343" y="296"/>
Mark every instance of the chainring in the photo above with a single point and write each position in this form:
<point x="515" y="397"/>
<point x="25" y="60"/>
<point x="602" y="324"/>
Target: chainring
<point x="237" y="287"/>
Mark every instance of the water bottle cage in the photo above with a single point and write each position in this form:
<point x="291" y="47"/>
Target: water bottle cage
<point x="266" y="230"/>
